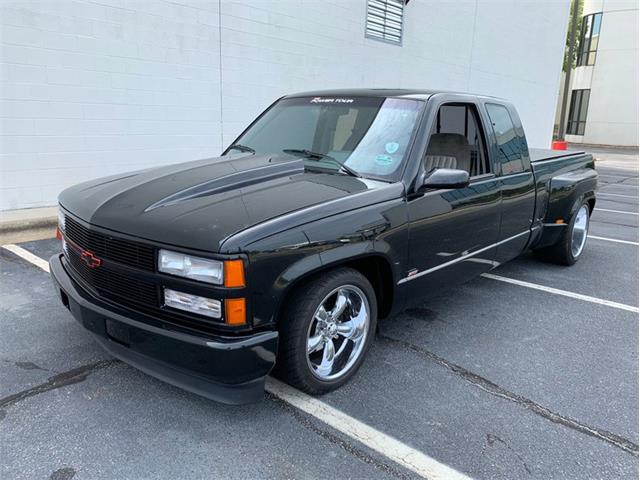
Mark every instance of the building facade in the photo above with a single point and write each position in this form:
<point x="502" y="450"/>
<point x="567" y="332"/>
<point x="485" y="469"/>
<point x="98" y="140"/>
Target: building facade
<point x="602" y="106"/>
<point x="91" y="88"/>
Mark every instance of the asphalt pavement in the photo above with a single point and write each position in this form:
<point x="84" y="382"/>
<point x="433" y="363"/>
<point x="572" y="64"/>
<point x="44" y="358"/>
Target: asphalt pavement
<point x="492" y="379"/>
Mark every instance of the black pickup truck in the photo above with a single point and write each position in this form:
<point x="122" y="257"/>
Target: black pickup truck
<point x="332" y="210"/>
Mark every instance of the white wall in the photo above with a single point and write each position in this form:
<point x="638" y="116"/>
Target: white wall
<point x="95" y="87"/>
<point x="612" y="115"/>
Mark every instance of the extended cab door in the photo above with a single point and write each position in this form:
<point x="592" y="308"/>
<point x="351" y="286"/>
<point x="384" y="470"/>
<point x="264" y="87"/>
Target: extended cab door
<point x="453" y="232"/>
<point x="516" y="179"/>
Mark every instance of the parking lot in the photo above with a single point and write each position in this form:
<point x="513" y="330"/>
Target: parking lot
<point x="529" y="373"/>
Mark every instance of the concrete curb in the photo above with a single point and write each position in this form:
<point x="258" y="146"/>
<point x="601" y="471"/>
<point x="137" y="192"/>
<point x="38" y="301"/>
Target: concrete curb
<point x="586" y="146"/>
<point x="21" y="225"/>
<point x="28" y="219"/>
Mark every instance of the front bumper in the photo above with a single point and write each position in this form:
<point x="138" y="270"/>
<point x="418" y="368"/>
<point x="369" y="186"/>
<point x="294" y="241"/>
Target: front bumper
<point x="226" y="369"/>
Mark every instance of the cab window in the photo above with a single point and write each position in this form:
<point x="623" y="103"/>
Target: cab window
<point x="457" y="141"/>
<point x="510" y="144"/>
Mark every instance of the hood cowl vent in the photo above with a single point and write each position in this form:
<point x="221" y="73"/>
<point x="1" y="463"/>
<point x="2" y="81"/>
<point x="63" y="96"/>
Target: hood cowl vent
<point x="231" y="182"/>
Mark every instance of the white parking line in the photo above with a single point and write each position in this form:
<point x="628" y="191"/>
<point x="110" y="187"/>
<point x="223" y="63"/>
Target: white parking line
<point x="28" y="256"/>
<point x="627" y="242"/>
<point x="380" y="442"/>
<point x="376" y="440"/>
<point x="616" y="211"/>
<point x="616" y="195"/>
<point x="618" y="185"/>
<point x="564" y="293"/>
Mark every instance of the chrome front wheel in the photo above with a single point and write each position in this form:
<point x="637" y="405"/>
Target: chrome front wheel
<point x="326" y="329"/>
<point x="338" y="332"/>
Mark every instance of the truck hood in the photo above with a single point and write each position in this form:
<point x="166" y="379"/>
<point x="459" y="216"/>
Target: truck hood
<point x="199" y="204"/>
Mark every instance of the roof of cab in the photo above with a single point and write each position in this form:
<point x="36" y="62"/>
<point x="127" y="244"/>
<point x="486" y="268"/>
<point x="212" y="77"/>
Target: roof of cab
<point x="378" y="92"/>
<point x="365" y="92"/>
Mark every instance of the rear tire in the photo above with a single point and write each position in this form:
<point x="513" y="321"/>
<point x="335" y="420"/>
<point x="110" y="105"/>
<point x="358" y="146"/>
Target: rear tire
<point x="326" y="330"/>
<point x="571" y="245"/>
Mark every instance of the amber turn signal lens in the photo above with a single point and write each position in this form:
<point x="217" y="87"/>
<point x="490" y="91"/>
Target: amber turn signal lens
<point x="58" y="234"/>
<point x="559" y="221"/>
<point x="235" y="311"/>
<point x="233" y="273"/>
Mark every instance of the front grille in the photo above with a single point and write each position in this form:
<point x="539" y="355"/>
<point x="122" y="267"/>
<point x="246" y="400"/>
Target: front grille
<point x="132" y="293"/>
<point x="111" y="281"/>
<point x="114" y="285"/>
<point x="132" y="254"/>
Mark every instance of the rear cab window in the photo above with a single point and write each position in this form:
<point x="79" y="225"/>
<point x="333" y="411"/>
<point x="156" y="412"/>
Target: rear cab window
<point x="511" y="144"/>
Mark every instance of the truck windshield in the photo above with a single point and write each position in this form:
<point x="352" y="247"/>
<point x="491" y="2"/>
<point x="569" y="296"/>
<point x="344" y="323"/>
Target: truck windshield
<point x="369" y="135"/>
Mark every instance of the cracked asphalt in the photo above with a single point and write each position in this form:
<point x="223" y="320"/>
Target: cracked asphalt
<point x="492" y="379"/>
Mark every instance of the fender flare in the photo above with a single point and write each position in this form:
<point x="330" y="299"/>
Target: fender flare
<point x="343" y="255"/>
<point x="566" y="193"/>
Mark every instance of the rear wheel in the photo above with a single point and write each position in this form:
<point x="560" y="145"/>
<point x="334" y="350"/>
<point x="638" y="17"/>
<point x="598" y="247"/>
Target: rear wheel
<point x="326" y="331"/>
<point x="571" y="245"/>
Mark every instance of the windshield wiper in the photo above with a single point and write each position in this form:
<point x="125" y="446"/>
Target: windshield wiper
<point x="321" y="156"/>
<point x="242" y="148"/>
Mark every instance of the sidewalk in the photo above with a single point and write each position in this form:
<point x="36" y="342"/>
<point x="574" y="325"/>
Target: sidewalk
<point x="27" y="224"/>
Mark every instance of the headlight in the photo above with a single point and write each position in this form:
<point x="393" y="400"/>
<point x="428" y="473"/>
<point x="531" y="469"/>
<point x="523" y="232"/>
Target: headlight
<point x="195" y="268"/>
<point x="60" y="229"/>
<point x="192" y="303"/>
<point x="60" y="220"/>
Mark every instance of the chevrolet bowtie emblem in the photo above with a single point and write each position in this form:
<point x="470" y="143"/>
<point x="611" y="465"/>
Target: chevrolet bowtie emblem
<point x="90" y="259"/>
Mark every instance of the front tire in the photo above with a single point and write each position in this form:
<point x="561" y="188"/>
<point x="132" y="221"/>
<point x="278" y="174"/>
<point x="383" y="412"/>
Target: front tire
<point x="571" y="245"/>
<point x="326" y="330"/>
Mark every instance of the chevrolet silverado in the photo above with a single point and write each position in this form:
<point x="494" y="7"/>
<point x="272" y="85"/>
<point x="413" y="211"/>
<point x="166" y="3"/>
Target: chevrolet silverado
<point x="331" y="211"/>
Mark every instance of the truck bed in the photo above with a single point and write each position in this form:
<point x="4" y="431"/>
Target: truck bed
<point x="562" y="179"/>
<point x="542" y="154"/>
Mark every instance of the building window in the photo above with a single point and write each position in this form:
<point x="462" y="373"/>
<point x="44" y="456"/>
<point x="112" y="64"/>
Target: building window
<point x="385" y="20"/>
<point x="589" y="36"/>
<point x="578" y="112"/>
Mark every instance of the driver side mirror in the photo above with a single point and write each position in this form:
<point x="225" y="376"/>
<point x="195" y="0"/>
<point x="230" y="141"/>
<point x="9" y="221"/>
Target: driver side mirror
<point x="446" y="178"/>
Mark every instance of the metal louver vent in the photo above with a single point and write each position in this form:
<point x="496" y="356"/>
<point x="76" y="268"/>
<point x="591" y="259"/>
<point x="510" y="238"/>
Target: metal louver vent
<point x="384" y="20"/>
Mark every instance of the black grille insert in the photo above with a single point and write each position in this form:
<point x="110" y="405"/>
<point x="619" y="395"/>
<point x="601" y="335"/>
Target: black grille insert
<point x="129" y="253"/>
<point x="111" y="284"/>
